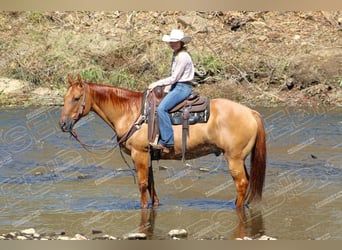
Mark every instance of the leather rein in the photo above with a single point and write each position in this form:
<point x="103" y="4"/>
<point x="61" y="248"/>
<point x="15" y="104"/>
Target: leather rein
<point x="136" y="125"/>
<point x="79" y="113"/>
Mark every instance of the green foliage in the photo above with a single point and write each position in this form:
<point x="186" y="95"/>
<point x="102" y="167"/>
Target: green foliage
<point x="26" y="74"/>
<point x="92" y="75"/>
<point x="123" y="79"/>
<point x="36" y="17"/>
<point x="212" y="64"/>
<point x="209" y="67"/>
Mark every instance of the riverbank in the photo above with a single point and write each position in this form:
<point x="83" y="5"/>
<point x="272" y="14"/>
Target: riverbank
<point x="264" y="58"/>
<point x="16" y="93"/>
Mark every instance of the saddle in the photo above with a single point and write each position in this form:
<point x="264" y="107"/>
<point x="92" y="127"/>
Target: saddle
<point x="194" y="109"/>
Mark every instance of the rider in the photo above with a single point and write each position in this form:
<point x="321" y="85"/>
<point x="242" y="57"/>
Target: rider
<point x="178" y="86"/>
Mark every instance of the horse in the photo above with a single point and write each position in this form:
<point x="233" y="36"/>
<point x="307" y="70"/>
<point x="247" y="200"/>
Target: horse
<point x="232" y="129"/>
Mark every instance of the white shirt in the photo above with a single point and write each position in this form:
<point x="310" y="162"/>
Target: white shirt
<point x="182" y="70"/>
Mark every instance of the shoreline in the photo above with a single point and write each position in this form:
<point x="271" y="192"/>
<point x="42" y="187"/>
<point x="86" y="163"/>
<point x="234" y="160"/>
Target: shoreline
<point x="15" y="93"/>
<point x="174" y="234"/>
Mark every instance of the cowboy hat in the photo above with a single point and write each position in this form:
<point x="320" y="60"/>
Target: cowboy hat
<point x="176" y="36"/>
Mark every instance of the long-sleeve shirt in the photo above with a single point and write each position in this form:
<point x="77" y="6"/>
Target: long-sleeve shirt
<point x="182" y="70"/>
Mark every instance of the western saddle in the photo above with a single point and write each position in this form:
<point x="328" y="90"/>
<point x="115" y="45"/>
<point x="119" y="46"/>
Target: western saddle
<point x="194" y="109"/>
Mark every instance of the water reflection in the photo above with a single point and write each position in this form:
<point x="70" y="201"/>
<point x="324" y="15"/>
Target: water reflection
<point x="147" y="222"/>
<point x="248" y="223"/>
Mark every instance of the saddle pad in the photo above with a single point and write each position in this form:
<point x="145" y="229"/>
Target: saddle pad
<point x="194" y="117"/>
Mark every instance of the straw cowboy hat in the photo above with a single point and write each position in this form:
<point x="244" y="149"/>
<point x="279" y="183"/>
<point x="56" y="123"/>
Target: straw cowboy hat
<point x="176" y="36"/>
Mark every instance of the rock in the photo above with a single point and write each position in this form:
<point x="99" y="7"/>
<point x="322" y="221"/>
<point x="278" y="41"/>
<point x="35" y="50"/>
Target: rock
<point x="105" y="237"/>
<point x="95" y="231"/>
<point x="80" y="237"/>
<point x="247" y="238"/>
<point x="163" y="167"/>
<point x="63" y="237"/>
<point x="20" y="237"/>
<point x="42" y="91"/>
<point x="13" y="86"/>
<point x="197" y="23"/>
<point x="244" y="238"/>
<point x="309" y="69"/>
<point x="262" y="38"/>
<point x="82" y="176"/>
<point x="179" y="233"/>
<point x="204" y="169"/>
<point x="265" y="237"/>
<point x="36" y="235"/>
<point x="135" y="236"/>
<point x="176" y="238"/>
<point x="339" y="20"/>
<point x="59" y="233"/>
<point x="11" y="235"/>
<point x="290" y="83"/>
<point x="29" y="231"/>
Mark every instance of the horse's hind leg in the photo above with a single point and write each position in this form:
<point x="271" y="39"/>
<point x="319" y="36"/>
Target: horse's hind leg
<point x="238" y="172"/>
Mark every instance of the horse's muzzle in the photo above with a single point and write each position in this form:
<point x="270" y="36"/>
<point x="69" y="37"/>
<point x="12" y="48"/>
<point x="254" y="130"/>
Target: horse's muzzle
<point x="66" y="124"/>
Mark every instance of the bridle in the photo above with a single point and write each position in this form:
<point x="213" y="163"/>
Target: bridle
<point x="82" y="107"/>
<point x="119" y="142"/>
<point x="79" y="114"/>
<point x="136" y="125"/>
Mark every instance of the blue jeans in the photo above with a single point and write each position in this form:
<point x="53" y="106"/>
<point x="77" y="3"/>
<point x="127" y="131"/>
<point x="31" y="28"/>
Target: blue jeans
<point x="178" y="93"/>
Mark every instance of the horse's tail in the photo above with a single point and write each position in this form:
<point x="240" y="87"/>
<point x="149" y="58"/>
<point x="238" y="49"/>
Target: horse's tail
<point x="258" y="162"/>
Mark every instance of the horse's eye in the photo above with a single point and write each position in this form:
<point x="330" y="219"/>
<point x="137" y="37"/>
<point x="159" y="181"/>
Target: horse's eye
<point x="75" y="99"/>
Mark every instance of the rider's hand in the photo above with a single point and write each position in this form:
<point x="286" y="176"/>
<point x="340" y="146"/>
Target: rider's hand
<point x="153" y="85"/>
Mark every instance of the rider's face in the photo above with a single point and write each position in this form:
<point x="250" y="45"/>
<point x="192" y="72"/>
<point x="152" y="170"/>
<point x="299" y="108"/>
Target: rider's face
<point x="175" y="45"/>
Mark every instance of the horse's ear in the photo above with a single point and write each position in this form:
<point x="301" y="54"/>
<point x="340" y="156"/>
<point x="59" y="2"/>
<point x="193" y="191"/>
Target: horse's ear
<point x="70" y="79"/>
<point x="79" y="80"/>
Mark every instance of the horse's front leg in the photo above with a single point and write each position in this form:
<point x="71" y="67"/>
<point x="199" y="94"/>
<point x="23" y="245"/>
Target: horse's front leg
<point x="141" y="163"/>
<point x="150" y="187"/>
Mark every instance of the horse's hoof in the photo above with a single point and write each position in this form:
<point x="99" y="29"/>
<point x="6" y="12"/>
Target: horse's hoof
<point x="144" y="206"/>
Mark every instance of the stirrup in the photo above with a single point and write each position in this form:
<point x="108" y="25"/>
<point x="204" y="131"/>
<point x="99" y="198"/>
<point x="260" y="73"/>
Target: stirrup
<point x="157" y="146"/>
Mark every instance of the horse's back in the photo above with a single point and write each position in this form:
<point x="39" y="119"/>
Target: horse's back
<point x="231" y="123"/>
<point x="231" y="109"/>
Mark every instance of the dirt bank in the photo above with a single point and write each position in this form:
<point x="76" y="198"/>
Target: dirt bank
<point x="257" y="58"/>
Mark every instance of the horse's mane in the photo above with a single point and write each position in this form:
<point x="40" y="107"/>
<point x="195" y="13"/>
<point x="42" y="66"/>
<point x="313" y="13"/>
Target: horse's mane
<point x="119" y="97"/>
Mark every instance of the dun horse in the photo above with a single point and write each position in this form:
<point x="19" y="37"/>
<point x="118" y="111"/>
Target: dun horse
<point x="233" y="129"/>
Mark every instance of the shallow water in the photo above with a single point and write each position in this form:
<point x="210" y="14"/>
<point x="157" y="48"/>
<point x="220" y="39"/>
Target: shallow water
<point x="49" y="182"/>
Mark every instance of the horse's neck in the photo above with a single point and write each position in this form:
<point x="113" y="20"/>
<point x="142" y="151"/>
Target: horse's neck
<point x="117" y="111"/>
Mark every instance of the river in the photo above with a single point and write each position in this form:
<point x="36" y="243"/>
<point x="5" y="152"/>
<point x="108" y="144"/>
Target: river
<point x="49" y="182"/>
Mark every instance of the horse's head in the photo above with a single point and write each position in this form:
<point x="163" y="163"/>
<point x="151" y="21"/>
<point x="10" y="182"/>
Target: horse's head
<point x="75" y="105"/>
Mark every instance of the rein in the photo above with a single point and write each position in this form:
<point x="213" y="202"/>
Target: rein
<point x="86" y="146"/>
<point x="73" y="133"/>
<point x="136" y="126"/>
<point x="79" y="113"/>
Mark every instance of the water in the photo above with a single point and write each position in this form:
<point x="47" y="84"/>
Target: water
<point x="49" y="182"/>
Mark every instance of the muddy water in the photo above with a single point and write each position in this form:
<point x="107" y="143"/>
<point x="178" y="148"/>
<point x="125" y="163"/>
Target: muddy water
<point x="48" y="182"/>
